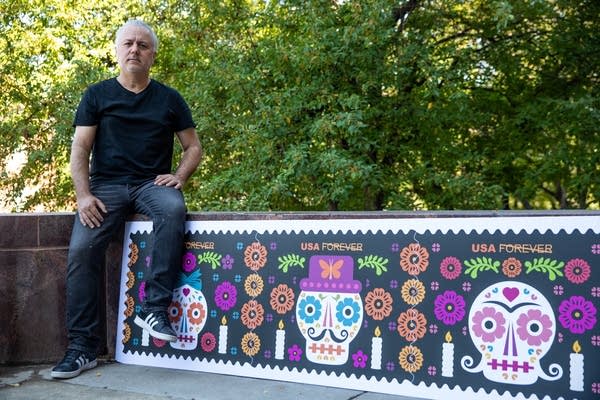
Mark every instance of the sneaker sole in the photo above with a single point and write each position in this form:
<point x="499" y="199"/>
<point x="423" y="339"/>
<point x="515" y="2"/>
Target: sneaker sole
<point x="162" y="336"/>
<point x="73" y="374"/>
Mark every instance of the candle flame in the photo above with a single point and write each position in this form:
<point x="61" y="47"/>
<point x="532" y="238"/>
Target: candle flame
<point x="281" y="325"/>
<point x="448" y="337"/>
<point x="377" y="332"/>
<point x="223" y="320"/>
<point x="576" y="347"/>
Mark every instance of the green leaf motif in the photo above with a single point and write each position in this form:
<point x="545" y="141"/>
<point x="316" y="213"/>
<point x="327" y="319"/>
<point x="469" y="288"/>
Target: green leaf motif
<point x="214" y="259"/>
<point x="375" y="262"/>
<point x="290" y="260"/>
<point x="481" y="264"/>
<point x="545" y="265"/>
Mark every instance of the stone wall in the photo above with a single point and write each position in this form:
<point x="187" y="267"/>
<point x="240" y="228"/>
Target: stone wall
<point x="33" y="254"/>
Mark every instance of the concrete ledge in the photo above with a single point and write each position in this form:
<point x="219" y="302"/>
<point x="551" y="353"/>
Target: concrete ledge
<point x="33" y="253"/>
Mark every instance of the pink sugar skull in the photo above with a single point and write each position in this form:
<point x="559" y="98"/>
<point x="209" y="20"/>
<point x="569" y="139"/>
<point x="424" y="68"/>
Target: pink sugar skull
<point x="512" y="325"/>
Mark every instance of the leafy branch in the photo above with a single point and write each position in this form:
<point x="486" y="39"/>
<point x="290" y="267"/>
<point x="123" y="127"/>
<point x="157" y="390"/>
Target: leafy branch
<point x="290" y="260"/>
<point x="377" y="263"/>
<point x="545" y="265"/>
<point x="481" y="264"/>
<point x="210" y="257"/>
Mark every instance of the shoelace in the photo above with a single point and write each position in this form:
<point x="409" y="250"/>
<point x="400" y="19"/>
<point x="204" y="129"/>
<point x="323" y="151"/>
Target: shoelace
<point x="71" y="356"/>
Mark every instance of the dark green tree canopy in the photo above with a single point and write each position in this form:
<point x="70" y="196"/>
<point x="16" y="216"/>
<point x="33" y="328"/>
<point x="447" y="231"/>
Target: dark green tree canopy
<point x="327" y="105"/>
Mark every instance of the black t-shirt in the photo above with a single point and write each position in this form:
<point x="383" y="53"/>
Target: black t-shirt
<point x="135" y="131"/>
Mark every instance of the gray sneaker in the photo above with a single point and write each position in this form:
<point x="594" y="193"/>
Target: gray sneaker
<point x="73" y="363"/>
<point x="157" y="324"/>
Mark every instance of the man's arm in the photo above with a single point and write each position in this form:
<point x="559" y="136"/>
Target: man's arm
<point x="192" y="154"/>
<point x="90" y="208"/>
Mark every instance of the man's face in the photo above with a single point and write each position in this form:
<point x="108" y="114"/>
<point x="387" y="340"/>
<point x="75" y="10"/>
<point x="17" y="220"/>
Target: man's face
<point x="135" y="50"/>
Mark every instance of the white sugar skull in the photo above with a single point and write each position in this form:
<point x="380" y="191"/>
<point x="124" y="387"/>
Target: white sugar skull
<point x="512" y="325"/>
<point x="188" y="312"/>
<point x="329" y="309"/>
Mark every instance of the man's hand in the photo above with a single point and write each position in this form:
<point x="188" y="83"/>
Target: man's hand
<point x="90" y="210"/>
<point x="169" y="180"/>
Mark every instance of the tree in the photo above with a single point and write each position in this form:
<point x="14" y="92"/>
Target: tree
<point x="330" y="105"/>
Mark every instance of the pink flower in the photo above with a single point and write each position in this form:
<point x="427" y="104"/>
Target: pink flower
<point x="534" y="327"/>
<point x="488" y="324"/>
<point x="577" y="271"/>
<point x="450" y="268"/>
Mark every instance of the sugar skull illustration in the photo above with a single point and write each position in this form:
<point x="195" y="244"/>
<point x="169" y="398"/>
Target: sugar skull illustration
<point x="329" y="309"/>
<point x="512" y="325"/>
<point x="188" y="311"/>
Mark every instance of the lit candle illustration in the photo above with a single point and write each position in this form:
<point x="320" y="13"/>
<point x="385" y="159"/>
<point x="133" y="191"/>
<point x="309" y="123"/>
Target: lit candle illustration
<point x="576" y="369"/>
<point x="279" y="341"/>
<point x="448" y="356"/>
<point x="376" y="343"/>
<point x="223" y="336"/>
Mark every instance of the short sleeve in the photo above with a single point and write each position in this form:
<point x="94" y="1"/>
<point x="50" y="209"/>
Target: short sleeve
<point x="87" y="111"/>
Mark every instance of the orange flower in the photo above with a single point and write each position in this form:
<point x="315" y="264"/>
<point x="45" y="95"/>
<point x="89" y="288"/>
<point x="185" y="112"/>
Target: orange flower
<point x="410" y="359"/>
<point x="130" y="304"/>
<point x="255" y="256"/>
<point x="414" y="259"/>
<point x="412" y="325"/>
<point x="196" y="313"/>
<point x="252" y="314"/>
<point x="250" y="344"/>
<point x="511" y="267"/>
<point x="413" y="292"/>
<point x="282" y="299"/>
<point x="253" y="285"/>
<point x="378" y="304"/>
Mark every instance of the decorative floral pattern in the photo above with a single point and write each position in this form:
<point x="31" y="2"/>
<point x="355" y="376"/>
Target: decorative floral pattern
<point x="410" y="358"/>
<point x="577" y="314"/>
<point x="309" y="309"/>
<point x="252" y="314"/>
<point x="488" y="324"/>
<point x="413" y="292"/>
<point x="412" y="325"/>
<point x="577" y="271"/>
<point x="378" y="304"/>
<point x="250" y="344"/>
<point x="348" y="311"/>
<point x="255" y="256"/>
<point x="282" y="298"/>
<point x="208" y="342"/>
<point x="225" y="296"/>
<point x="534" y="327"/>
<point x="294" y="353"/>
<point x="189" y="262"/>
<point x="253" y="285"/>
<point x="450" y="268"/>
<point x="359" y="359"/>
<point x="249" y="309"/>
<point x="414" y="259"/>
<point x="511" y="267"/>
<point x="449" y="307"/>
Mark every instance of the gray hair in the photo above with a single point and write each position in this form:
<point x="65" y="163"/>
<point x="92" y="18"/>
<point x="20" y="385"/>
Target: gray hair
<point x="141" y="24"/>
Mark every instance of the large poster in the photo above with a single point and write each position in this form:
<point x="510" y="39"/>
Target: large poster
<point x="501" y="307"/>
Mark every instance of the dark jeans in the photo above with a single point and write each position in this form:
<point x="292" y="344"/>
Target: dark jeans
<point x="166" y="207"/>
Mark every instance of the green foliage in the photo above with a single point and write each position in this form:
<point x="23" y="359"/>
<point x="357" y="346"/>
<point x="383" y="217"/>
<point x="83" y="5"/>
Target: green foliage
<point x="325" y="105"/>
<point x="545" y="265"/>
<point x="374" y="262"/>
<point x="211" y="258"/>
<point x="290" y="260"/>
<point x="481" y="264"/>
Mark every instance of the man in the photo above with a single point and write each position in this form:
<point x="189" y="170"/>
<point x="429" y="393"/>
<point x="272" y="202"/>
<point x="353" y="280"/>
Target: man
<point x="128" y="125"/>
